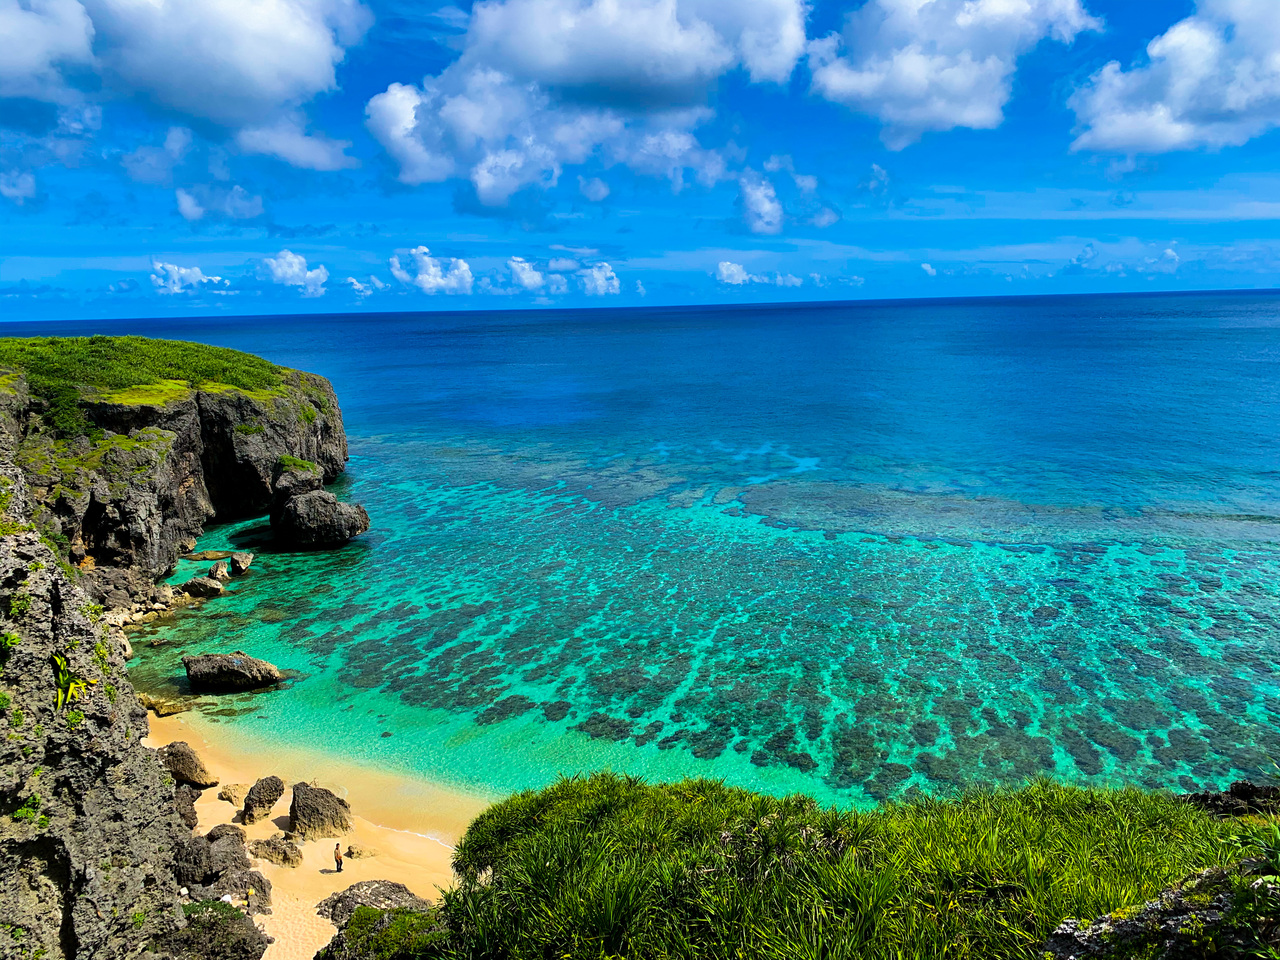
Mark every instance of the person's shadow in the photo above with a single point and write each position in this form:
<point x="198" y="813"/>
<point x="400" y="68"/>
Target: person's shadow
<point x="328" y="870"/>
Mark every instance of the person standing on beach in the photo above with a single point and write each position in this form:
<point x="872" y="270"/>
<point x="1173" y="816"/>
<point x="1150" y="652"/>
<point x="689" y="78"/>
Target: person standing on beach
<point x="337" y="855"/>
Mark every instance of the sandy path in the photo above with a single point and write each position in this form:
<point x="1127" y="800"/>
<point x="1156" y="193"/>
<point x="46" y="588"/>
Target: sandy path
<point x="413" y="825"/>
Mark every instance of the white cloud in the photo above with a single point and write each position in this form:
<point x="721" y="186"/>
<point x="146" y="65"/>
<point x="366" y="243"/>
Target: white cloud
<point x="922" y="65"/>
<point x="38" y="39"/>
<point x="760" y="207"/>
<point x="736" y="275"/>
<point x="1211" y="80"/>
<point x="825" y="218"/>
<point x="170" y="278"/>
<point x="234" y="203"/>
<point x="641" y="290"/>
<point x="524" y="274"/>
<point x="290" y="269"/>
<point x="17" y="186"/>
<point x="288" y="140"/>
<point x="564" y="265"/>
<point x="929" y="269"/>
<point x="149" y="164"/>
<point x="546" y="83"/>
<point x="556" y="283"/>
<point x="431" y="275"/>
<point x="363" y="290"/>
<point x="594" y="189"/>
<point x="598" y="280"/>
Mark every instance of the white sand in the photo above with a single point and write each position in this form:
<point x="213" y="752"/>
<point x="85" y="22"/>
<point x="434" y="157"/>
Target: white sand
<point x="412" y="824"/>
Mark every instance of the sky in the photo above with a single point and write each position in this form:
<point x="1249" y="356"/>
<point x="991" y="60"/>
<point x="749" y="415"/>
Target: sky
<point x="204" y="157"/>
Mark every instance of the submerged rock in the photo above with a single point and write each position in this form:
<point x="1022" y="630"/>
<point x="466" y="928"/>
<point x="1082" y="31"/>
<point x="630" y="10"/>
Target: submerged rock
<point x="318" y="519"/>
<point x="229" y="672"/>
<point x="262" y="796"/>
<point x="317" y="812"/>
<point x="379" y="894"/>
<point x="186" y="766"/>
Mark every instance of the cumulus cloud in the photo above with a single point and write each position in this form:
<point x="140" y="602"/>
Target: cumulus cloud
<point x="288" y="140"/>
<point x="598" y="280"/>
<point x="929" y="268"/>
<point x="1211" y="80"/>
<point x="924" y="66"/>
<point x="38" y="40"/>
<point x="169" y="278"/>
<point x="290" y="269"/>
<point x="363" y="290"/>
<point x="434" y="275"/>
<point x="594" y="189"/>
<point x="545" y="83"/>
<point x="217" y="200"/>
<point x="736" y="275"/>
<point x="148" y="164"/>
<point x="761" y="210"/>
<point x="640" y="290"/>
<point x="18" y="186"/>
<point x="524" y="274"/>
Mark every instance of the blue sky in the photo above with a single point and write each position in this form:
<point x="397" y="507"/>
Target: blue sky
<point x="194" y="157"/>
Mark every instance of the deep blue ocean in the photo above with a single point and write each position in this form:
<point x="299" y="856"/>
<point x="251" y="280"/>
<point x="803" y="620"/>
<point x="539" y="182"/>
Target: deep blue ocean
<point x="849" y="549"/>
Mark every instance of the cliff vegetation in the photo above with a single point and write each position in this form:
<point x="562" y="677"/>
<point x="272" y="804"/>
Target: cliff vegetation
<point x="610" y="866"/>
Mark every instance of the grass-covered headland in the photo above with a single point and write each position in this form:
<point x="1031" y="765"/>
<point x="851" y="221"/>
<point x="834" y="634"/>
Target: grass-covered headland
<point x="610" y="866"/>
<point x="65" y="371"/>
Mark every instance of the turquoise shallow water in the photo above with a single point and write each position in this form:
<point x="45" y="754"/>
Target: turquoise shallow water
<point x="848" y="550"/>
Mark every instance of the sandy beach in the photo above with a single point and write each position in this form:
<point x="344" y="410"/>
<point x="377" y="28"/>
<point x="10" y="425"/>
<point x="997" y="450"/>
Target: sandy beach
<point x="412" y="825"/>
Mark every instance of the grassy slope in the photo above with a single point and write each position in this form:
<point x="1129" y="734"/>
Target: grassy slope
<point x="63" y="370"/>
<point x="610" y="866"/>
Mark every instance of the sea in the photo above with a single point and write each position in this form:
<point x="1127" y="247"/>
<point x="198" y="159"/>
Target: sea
<point x="850" y="549"/>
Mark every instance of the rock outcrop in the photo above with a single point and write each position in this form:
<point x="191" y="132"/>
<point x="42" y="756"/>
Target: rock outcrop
<point x="378" y="894"/>
<point x="186" y="766"/>
<point x="229" y="672"/>
<point x="317" y="812"/>
<point x="304" y="514"/>
<point x="1240" y="799"/>
<point x="262" y="796"/>
<point x="278" y="851"/>
<point x="87" y="850"/>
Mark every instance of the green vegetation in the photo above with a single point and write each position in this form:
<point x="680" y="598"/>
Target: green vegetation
<point x="74" y="719"/>
<point x="609" y="866"/>
<point x="249" y="428"/>
<point x="17" y="718"/>
<point x="62" y="371"/>
<point x="29" y="812"/>
<point x="19" y="604"/>
<point x="287" y="462"/>
<point x="214" y="931"/>
<point x="69" y="687"/>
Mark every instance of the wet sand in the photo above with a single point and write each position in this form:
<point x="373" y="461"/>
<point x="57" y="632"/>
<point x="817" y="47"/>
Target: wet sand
<point x="412" y="824"/>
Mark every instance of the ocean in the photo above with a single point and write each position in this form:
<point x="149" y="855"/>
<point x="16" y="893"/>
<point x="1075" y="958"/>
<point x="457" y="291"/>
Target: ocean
<point x="849" y="549"/>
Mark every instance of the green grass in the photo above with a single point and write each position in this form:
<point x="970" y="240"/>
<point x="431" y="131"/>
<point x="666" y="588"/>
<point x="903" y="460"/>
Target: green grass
<point x="610" y="866"/>
<point x="62" y="370"/>
<point x="287" y="462"/>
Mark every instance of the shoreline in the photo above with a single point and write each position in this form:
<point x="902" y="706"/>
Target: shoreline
<point x="412" y="824"/>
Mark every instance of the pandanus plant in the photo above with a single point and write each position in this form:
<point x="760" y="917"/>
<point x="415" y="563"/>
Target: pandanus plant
<point x="70" y="687"/>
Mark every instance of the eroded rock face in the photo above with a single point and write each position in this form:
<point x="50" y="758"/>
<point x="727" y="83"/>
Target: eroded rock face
<point x="186" y="766"/>
<point x="317" y="812"/>
<point x="319" y="519"/>
<point x="229" y="672"/>
<point x="1240" y="799"/>
<point x="100" y="796"/>
<point x="281" y="852"/>
<point x="262" y="796"/>
<point x="379" y="894"/>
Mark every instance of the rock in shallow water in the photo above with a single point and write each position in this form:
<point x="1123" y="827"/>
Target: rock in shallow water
<point x="229" y="672"/>
<point x="202" y="587"/>
<point x="318" y="519"/>
<point x="240" y="563"/>
<point x="262" y="796"/>
<point x="317" y="812"/>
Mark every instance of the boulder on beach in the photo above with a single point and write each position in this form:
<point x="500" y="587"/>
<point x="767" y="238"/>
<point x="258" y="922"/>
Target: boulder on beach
<point x="319" y="519"/>
<point x="282" y="852"/>
<point x="262" y="796"/>
<point x="186" y="766"/>
<point x="229" y="672"/>
<point x="240" y="563"/>
<point x="317" y="812"/>
<point x="357" y="852"/>
<point x="202" y="587"/>
<point x="234" y="793"/>
<point x="220" y="571"/>
<point x="379" y="894"/>
<point x="225" y="830"/>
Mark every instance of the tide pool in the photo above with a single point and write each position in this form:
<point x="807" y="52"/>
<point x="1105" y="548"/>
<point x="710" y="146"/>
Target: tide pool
<point x="848" y="549"/>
